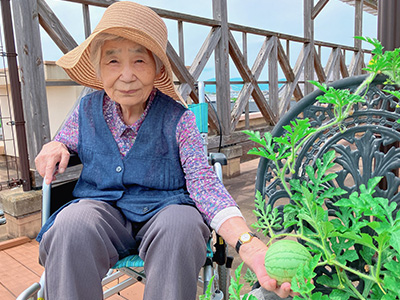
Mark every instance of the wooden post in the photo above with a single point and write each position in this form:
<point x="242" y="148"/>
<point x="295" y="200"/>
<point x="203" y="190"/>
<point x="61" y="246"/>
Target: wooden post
<point x="86" y="20"/>
<point x="220" y="13"/>
<point x="181" y="41"/>
<point x="389" y="24"/>
<point x="33" y="86"/>
<point x="244" y="45"/>
<point x="273" y="77"/>
<point x="15" y="88"/>
<point x="309" y="34"/>
<point x="358" y="20"/>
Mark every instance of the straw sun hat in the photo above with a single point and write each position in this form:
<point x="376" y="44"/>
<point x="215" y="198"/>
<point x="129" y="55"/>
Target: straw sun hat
<point x="134" y="22"/>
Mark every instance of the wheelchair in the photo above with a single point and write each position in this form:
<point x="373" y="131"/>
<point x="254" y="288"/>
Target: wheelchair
<point x="129" y="270"/>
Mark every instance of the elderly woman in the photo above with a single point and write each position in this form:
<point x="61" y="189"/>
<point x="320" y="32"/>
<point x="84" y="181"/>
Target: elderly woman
<point x="146" y="186"/>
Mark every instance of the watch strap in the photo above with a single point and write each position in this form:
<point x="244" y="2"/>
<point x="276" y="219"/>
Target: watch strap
<point x="240" y="243"/>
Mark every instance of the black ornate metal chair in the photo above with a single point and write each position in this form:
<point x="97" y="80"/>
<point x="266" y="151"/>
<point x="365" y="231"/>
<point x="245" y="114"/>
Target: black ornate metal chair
<point x="365" y="149"/>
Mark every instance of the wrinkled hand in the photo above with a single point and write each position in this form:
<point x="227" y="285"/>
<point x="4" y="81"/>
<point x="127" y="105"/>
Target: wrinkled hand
<point x="253" y="255"/>
<point x="52" y="153"/>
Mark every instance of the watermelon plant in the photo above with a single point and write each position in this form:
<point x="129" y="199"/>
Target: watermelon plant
<point x="332" y="241"/>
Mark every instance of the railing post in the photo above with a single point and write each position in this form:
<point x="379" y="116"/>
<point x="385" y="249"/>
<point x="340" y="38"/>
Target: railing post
<point x="33" y="85"/>
<point x="16" y="94"/>
<point x="309" y="34"/>
<point x="358" y="20"/>
<point x="389" y="24"/>
<point x="222" y="76"/>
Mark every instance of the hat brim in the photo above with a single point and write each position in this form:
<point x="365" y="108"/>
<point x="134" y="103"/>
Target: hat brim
<point x="78" y="66"/>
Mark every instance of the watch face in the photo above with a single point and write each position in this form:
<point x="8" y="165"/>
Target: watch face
<point x="245" y="237"/>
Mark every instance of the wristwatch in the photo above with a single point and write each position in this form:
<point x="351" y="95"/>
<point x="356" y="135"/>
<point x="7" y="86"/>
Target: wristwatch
<point x="243" y="239"/>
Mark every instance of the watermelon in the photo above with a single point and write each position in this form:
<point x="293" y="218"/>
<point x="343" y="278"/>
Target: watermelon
<point x="283" y="258"/>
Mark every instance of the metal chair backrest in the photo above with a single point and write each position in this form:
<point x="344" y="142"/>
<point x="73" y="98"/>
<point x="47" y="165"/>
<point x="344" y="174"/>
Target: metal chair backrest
<point x="366" y="148"/>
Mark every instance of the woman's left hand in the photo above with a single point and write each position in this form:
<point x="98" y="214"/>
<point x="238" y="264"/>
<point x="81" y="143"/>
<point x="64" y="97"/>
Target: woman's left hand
<point x="253" y="256"/>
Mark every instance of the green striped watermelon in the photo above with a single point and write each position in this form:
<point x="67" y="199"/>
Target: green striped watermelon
<point x="283" y="258"/>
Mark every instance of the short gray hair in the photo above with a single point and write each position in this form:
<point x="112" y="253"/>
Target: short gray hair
<point x="97" y="44"/>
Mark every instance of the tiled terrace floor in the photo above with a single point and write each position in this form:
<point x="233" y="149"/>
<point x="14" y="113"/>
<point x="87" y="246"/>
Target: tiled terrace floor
<point x="19" y="267"/>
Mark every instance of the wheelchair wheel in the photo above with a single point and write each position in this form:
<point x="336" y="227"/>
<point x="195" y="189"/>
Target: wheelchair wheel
<point x="223" y="280"/>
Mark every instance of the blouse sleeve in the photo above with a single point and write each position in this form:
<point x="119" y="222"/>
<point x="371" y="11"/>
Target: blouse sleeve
<point x="69" y="133"/>
<point x="209" y="194"/>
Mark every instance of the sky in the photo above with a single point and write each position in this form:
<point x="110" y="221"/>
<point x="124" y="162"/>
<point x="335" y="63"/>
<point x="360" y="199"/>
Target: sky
<point x="334" y="24"/>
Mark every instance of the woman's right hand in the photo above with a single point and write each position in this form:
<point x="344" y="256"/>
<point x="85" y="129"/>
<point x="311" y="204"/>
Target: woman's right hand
<point x="52" y="153"/>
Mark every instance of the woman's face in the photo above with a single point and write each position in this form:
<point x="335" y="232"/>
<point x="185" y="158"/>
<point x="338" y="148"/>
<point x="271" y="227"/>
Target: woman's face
<point x="128" y="71"/>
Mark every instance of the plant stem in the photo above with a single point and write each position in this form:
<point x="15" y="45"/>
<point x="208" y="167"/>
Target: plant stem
<point x="354" y="290"/>
<point x="362" y="275"/>
<point x="281" y="173"/>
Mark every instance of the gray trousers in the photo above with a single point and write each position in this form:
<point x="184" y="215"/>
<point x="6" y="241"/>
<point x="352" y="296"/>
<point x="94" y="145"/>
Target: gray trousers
<point x="89" y="237"/>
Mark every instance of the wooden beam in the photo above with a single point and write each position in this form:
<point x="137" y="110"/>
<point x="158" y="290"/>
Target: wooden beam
<point x="201" y="59"/>
<point x="318" y="8"/>
<point x="358" y="22"/>
<point x="298" y="70"/>
<point x="309" y="34"/>
<point x="319" y="69"/>
<point x="273" y="92"/>
<point x="33" y="86"/>
<point x="222" y="74"/>
<point x="235" y="137"/>
<point x="356" y="66"/>
<point x="86" y="20"/>
<point x="205" y="52"/>
<point x="250" y="77"/>
<point x="183" y="75"/>
<point x="100" y="3"/>
<point x="343" y="66"/>
<point x="287" y="70"/>
<point x="332" y="65"/>
<point x="181" y="41"/>
<point x="161" y="12"/>
<point x="179" y="68"/>
<point x="54" y="28"/>
<point x="291" y="88"/>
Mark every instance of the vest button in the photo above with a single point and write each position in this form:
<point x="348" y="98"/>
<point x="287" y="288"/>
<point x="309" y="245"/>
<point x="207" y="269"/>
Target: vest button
<point x="118" y="169"/>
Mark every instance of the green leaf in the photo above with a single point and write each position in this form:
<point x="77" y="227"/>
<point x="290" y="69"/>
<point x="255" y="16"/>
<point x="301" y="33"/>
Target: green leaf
<point x="395" y="240"/>
<point x="250" y="277"/>
<point x="339" y="295"/>
<point x="319" y="296"/>
<point x="207" y="295"/>
<point x="249" y="297"/>
<point x="392" y="283"/>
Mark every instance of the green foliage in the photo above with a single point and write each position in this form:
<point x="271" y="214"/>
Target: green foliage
<point x="236" y="286"/>
<point x="387" y="62"/>
<point x="208" y="295"/>
<point x="250" y="277"/>
<point x="363" y="222"/>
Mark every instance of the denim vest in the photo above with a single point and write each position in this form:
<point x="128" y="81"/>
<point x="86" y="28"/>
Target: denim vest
<point x="149" y="178"/>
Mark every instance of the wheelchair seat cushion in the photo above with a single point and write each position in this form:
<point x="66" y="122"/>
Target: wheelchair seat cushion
<point x="132" y="261"/>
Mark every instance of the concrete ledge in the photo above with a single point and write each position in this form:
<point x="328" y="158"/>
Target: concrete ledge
<point x="3" y="232"/>
<point x="233" y="154"/>
<point x="28" y="225"/>
<point x="18" y="203"/>
<point x="22" y="211"/>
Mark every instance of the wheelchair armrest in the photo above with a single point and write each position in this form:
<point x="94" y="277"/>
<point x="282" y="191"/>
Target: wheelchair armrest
<point x="218" y="157"/>
<point x="74" y="160"/>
